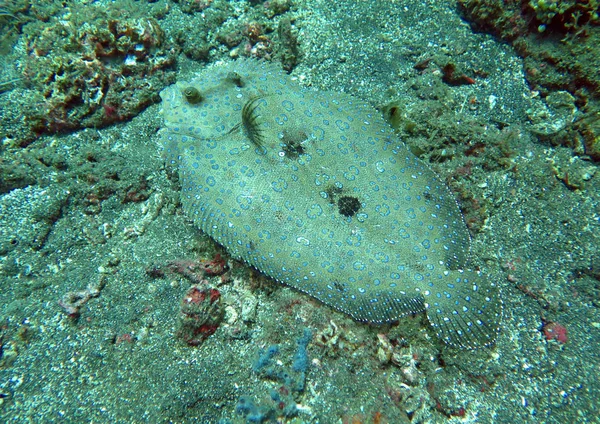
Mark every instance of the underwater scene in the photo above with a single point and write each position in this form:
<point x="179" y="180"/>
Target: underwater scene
<point x="300" y="211"/>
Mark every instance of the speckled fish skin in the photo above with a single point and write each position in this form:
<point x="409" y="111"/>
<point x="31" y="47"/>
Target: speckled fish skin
<point x="315" y="190"/>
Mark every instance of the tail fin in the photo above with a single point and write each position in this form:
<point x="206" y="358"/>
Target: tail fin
<point x="465" y="310"/>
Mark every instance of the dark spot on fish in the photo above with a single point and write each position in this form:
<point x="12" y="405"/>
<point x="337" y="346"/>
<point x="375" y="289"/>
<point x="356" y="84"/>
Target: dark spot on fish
<point x="348" y="205"/>
<point x="192" y="95"/>
<point x="338" y="286"/>
<point x="291" y="143"/>
<point x="332" y="193"/>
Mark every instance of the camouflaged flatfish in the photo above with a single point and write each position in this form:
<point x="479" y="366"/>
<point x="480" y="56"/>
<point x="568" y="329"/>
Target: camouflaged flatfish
<point x="314" y="189"/>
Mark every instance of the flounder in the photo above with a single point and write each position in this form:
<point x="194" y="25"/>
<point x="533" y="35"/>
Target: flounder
<point x="314" y="189"/>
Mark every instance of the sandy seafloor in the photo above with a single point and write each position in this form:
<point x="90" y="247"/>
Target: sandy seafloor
<point x="121" y="360"/>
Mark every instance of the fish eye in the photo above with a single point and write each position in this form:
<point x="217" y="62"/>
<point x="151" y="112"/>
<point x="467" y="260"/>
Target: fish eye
<point x="236" y="78"/>
<point x="192" y="95"/>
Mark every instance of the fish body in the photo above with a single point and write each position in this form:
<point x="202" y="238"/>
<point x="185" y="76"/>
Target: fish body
<point x="314" y="189"/>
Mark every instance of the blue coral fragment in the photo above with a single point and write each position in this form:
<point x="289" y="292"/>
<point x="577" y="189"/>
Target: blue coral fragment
<point x="291" y="382"/>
